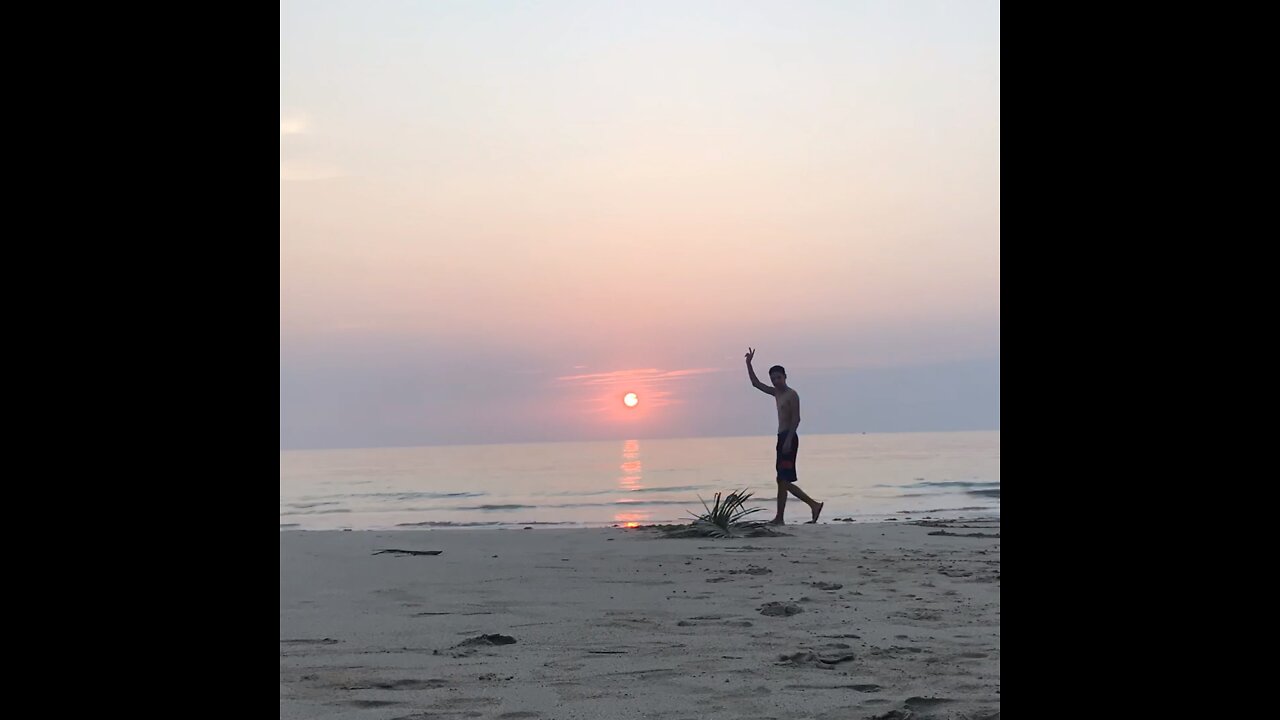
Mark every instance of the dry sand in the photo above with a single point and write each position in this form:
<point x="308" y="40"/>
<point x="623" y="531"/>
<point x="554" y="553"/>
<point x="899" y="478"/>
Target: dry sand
<point x="893" y="622"/>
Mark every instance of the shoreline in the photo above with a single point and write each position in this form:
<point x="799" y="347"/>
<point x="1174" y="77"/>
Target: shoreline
<point x="902" y="516"/>
<point x="829" y="621"/>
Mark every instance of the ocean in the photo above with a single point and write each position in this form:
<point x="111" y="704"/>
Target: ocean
<point x="868" y="477"/>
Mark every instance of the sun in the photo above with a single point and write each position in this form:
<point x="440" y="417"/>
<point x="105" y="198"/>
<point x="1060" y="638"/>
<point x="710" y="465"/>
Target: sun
<point x="630" y="400"/>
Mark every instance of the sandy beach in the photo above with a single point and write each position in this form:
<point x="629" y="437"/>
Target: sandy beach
<point x="835" y="620"/>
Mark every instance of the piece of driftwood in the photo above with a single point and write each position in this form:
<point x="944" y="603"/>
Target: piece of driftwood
<point x="409" y="552"/>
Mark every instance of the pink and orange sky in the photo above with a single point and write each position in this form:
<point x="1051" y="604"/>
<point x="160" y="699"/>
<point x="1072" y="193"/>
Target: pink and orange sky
<point x="497" y="217"/>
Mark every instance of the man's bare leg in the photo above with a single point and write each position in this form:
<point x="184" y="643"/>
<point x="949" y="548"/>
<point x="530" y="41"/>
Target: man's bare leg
<point x="782" y="505"/>
<point x="814" y="506"/>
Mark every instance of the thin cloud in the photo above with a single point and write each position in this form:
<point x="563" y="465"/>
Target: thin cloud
<point x="650" y="383"/>
<point x="644" y="375"/>
<point x="294" y="125"/>
<point x="292" y="169"/>
<point x="302" y="172"/>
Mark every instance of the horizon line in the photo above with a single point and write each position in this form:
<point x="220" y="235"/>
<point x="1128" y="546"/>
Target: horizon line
<point x="624" y="439"/>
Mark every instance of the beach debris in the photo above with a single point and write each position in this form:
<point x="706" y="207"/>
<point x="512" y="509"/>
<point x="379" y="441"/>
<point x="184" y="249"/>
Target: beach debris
<point x="828" y="586"/>
<point x="993" y="524"/>
<point x="469" y="646"/>
<point x="924" y="703"/>
<point x="713" y="620"/>
<point x="973" y="535"/>
<point x="780" y="609"/>
<point x="894" y="715"/>
<point x="751" y="570"/>
<point x="426" y="614"/>
<point x="488" y="640"/>
<point x="808" y="658"/>
<point x="408" y="552"/>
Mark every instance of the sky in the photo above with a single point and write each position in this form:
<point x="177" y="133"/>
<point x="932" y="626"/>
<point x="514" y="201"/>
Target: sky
<point x="497" y="218"/>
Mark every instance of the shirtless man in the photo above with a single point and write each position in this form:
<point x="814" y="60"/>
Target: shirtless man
<point x="788" y="403"/>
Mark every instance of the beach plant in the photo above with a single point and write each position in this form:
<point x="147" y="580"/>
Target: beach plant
<point x="726" y="516"/>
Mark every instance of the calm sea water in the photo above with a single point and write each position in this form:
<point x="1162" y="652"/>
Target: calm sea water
<point x="867" y="477"/>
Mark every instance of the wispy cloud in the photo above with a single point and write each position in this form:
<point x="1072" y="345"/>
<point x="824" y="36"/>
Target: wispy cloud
<point x="646" y="376"/>
<point x="652" y="384"/>
<point x="301" y="172"/>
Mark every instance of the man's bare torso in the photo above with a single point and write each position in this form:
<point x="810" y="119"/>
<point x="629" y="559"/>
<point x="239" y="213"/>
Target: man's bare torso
<point x="787" y="401"/>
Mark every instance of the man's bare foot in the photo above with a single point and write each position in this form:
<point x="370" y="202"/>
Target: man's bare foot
<point x="816" y="513"/>
<point x="776" y="521"/>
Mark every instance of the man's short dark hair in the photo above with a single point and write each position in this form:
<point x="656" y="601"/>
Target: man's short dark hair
<point x="778" y="369"/>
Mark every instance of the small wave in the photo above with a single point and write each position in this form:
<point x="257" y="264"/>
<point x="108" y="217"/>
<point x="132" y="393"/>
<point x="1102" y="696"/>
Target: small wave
<point x="398" y="495"/>
<point x="446" y="523"/>
<point x="543" y="522"/>
<point x="489" y="523"/>
<point x="975" y="489"/>
<point x="289" y="525"/>
<point x="921" y="483"/>
<point x="315" y="512"/>
<point x="561" y="506"/>
<point x="626" y="503"/>
<point x="308" y="505"/>
<point x="956" y="509"/>
<point x="682" y="488"/>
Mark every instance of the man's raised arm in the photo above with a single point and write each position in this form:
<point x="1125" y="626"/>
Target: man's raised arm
<point x="751" y="372"/>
